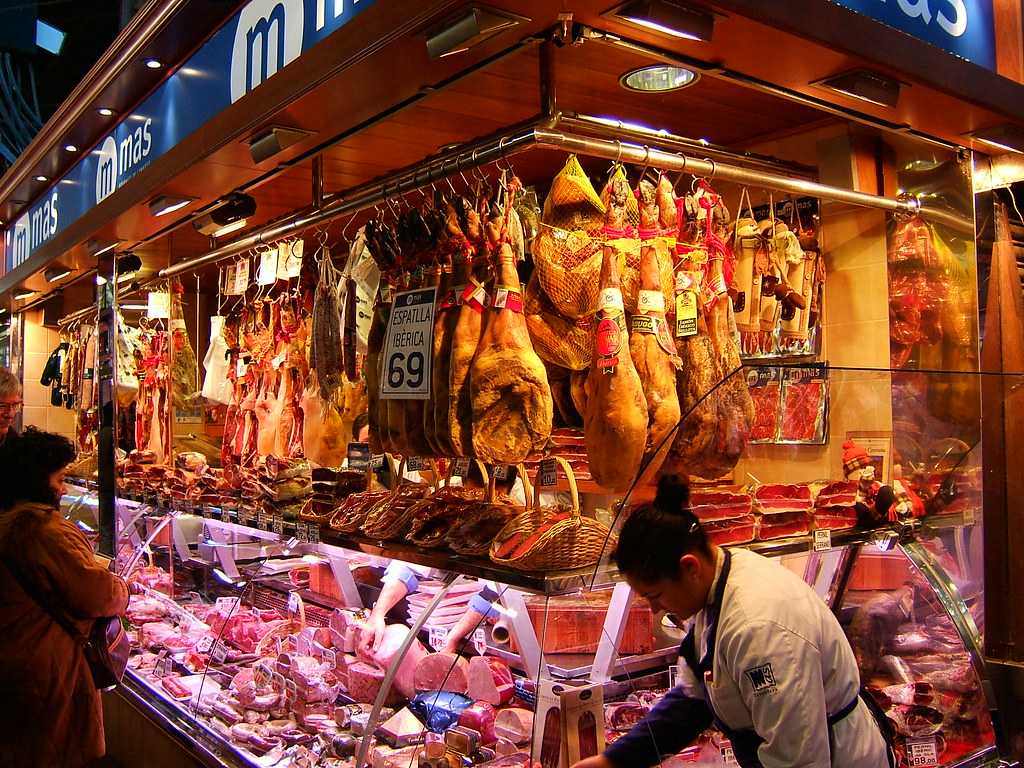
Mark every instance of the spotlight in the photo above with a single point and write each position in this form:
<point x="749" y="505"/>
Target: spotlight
<point x="128" y="267"/>
<point x="153" y="63"/>
<point x="657" y="78"/>
<point x="229" y="216"/>
<point x="70" y="148"/>
<point x="105" y="111"/>
<point x="164" y="204"/>
<point x="55" y="274"/>
<point x="668" y="17"/>
<point x="866" y="85"/>
<point x="23" y="293"/>
<point x="40" y="177"/>
<point x="471" y="27"/>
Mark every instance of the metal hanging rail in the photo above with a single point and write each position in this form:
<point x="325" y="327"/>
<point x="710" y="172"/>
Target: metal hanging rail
<point x="544" y="134"/>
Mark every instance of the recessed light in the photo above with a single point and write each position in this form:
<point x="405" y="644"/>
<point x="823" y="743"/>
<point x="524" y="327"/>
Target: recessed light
<point x="23" y="294"/>
<point x="54" y="274"/>
<point x="164" y="204"/>
<point x="658" y="77"/>
<point x="70" y="148"/>
<point x="471" y="27"/>
<point x="668" y="17"/>
<point x="40" y="177"/>
<point x="154" y="63"/>
<point x="1004" y="137"/>
<point x="865" y="85"/>
<point x="105" y="111"/>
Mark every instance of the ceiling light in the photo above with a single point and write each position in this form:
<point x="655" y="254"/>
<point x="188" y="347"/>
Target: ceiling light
<point x="23" y="293"/>
<point x="658" y="77"/>
<point x="164" y="204"/>
<point x="471" y="27"/>
<point x="105" y="111"/>
<point x="128" y="266"/>
<point x="40" y="177"/>
<point x="70" y="148"/>
<point x="866" y="85"/>
<point x="276" y="139"/>
<point x="1005" y="137"/>
<point x="97" y="247"/>
<point x="133" y="307"/>
<point x="668" y="17"/>
<point x="229" y="216"/>
<point x="154" y="63"/>
<point x="54" y="274"/>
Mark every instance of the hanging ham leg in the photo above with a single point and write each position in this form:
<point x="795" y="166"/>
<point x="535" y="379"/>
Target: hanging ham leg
<point x="289" y="421"/>
<point x="650" y="343"/>
<point x="512" y="406"/>
<point x="465" y="339"/>
<point x="444" y="331"/>
<point x="372" y="366"/>
<point x="615" y="422"/>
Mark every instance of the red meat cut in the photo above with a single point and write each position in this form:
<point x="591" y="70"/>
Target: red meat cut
<point x="490" y="680"/>
<point x="442" y="672"/>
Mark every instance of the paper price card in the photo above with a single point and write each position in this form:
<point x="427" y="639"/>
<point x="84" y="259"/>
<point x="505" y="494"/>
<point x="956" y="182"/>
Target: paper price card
<point x="158" y="305"/>
<point x="548" y="472"/>
<point x="205" y="644"/>
<point x="277" y="524"/>
<point x="460" y="467"/>
<point x="225" y="515"/>
<point x="163" y="665"/>
<point x="227" y="285"/>
<point x="922" y="753"/>
<point x="241" y="277"/>
<point x="226" y="605"/>
<point x="267" y="274"/>
<point x="302" y="532"/>
<point x="415" y="463"/>
<point x="377" y="461"/>
<point x="501" y="472"/>
<point x="409" y="346"/>
<point x="289" y="259"/>
<point x="728" y="755"/>
<point x="822" y="540"/>
<point x="219" y="654"/>
<point x="438" y="636"/>
<point x="330" y="658"/>
<point x="313" y="533"/>
<point x="480" y="640"/>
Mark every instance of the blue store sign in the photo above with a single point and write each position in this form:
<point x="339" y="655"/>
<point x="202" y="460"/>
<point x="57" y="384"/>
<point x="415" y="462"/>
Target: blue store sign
<point x="250" y="48"/>
<point x="965" y="28"/>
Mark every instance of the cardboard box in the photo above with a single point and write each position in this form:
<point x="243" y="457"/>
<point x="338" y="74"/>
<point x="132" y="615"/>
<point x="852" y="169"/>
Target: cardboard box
<point x="569" y="723"/>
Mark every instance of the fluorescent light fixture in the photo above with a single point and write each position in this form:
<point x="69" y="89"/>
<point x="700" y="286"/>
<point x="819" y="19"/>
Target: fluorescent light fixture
<point x="230" y="216"/>
<point x="70" y="148"/>
<point x="622" y="125"/>
<point x="49" y="38"/>
<point x="227" y="229"/>
<point x="133" y="307"/>
<point x="1005" y="137"/>
<point x="657" y="78"/>
<point x="40" y="177"/>
<point x="128" y="266"/>
<point x="669" y="18"/>
<point x="268" y="143"/>
<point x="153" y="63"/>
<point x="105" y="111"/>
<point x="24" y="293"/>
<point x="164" y="204"/>
<point x="54" y="274"/>
<point x="98" y="247"/>
<point x="470" y="27"/>
<point x="865" y="85"/>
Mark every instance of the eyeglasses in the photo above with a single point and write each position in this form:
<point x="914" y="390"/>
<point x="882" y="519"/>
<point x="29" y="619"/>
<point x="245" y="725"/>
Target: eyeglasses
<point x="10" y="407"/>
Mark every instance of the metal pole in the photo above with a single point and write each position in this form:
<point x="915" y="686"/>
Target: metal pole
<point x="318" y="181"/>
<point x="548" y="91"/>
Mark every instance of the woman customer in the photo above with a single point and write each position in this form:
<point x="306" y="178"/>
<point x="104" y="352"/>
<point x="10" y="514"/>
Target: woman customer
<point x="50" y="711"/>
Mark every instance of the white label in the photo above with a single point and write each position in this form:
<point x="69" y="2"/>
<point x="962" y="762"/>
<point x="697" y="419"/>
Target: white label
<point x="289" y="260"/>
<point x="922" y="752"/>
<point x="728" y="755"/>
<point x="501" y="472"/>
<point x="302" y="532"/>
<point x="158" y="305"/>
<point x="241" y="277"/>
<point x="651" y="301"/>
<point x="313" y="533"/>
<point x="225" y="516"/>
<point x="480" y="640"/>
<point x="330" y="658"/>
<point x="228" y="280"/>
<point x="267" y="274"/>
<point x="611" y="299"/>
<point x="409" y="346"/>
<point x="293" y="604"/>
<point x="377" y="461"/>
<point x="548" y="472"/>
<point x="163" y="665"/>
<point x="205" y="644"/>
<point x="226" y="605"/>
<point x="673" y="676"/>
<point x="278" y="361"/>
<point x="277" y="525"/>
<point x="415" y="464"/>
<point x="500" y="298"/>
<point x="219" y="653"/>
<point x="822" y="540"/>
<point x="460" y="467"/>
<point x="438" y="636"/>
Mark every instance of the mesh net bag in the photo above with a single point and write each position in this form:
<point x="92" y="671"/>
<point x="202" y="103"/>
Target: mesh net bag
<point x="572" y="201"/>
<point x="556" y="339"/>
<point x="568" y="265"/>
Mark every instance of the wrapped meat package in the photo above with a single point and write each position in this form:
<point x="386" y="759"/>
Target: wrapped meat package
<point x="439" y="710"/>
<point x="735" y="530"/>
<point x="481" y="717"/>
<point x="782" y="525"/>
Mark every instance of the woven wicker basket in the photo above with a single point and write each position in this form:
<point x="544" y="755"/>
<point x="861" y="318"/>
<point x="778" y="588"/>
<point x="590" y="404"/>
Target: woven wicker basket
<point x="574" y="541"/>
<point x="391" y="517"/>
<point x="348" y="517"/>
<point x="457" y="541"/>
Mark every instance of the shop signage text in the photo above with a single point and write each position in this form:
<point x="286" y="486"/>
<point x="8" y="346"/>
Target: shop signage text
<point x="964" y="28"/>
<point x="250" y="48"/>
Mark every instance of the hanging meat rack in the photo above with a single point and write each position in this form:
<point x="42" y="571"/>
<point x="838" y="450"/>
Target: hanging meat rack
<point x="589" y="137"/>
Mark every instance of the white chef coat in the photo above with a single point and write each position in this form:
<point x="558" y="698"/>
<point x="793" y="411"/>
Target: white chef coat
<point x="781" y="665"/>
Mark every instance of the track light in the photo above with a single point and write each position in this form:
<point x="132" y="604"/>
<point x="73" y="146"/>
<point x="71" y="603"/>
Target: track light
<point x="668" y="17"/>
<point x="1005" y="137"/>
<point x="53" y="274"/>
<point x="866" y="85"/>
<point x="70" y="148"/>
<point x="164" y="204"/>
<point x="469" y="28"/>
<point x="128" y="266"/>
<point x="265" y="145"/>
<point x="229" y="216"/>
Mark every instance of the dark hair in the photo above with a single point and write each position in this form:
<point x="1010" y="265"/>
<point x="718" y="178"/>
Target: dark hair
<point x="357" y="426"/>
<point x="26" y="463"/>
<point x="656" y="535"/>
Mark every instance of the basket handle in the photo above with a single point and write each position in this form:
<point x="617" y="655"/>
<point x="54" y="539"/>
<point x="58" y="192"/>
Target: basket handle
<point x="573" y="490"/>
<point x="527" y="485"/>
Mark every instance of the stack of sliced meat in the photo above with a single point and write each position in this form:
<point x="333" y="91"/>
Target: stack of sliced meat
<point x="784" y="510"/>
<point x="284" y="485"/>
<point x="835" y="506"/>
<point x="726" y="515"/>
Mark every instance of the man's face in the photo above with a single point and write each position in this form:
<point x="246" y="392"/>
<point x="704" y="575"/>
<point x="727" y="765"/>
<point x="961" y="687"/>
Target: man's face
<point x="10" y="405"/>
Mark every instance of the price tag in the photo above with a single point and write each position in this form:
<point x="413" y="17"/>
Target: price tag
<point x="241" y="277"/>
<point x="225" y="515"/>
<point x="289" y="260"/>
<point x="228" y="286"/>
<point x="261" y="518"/>
<point x="480" y="640"/>
<point x="377" y="461"/>
<point x="501" y="472"/>
<point x="548" y="472"/>
<point x="267" y="274"/>
<point x="922" y="752"/>
<point x="415" y="464"/>
<point x="438" y="636"/>
<point x="673" y="676"/>
<point x="219" y="654"/>
<point x="313" y="533"/>
<point x="728" y="755"/>
<point x="241" y="366"/>
<point x="301" y="532"/>
<point x="163" y="665"/>
<point x="226" y="605"/>
<point x="278" y="524"/>
<point x="205" y="644"/>
<point x="460" y="467"/>
<point x="330" y="658"/>
<point x="822" y="540"/>
<point x="409" y="346"/>
<point x="158" y="305"/>
<point x="358" y="455"/>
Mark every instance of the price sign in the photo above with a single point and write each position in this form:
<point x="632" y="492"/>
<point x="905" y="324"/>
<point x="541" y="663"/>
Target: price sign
<point x="358" y="455"/>
<point x="501" y="472"/>
<point x="548" y="472"/>
<point x="225" y="515"/>
<point x="226" y="605"/>
<point x="460" y="467"/>
<point x="313" y="533"/>
<point x="261" y="518"/>
<point x="278" y="524"/>
<point x="377" y="461"/>
<point x="822" y="540"/>
<point x="673" y="676"/>
<point x="480" y="640"/>
<point x="301" y="532"/>
<point x="163" y="665"/>
<point x="241" y="277"/>
<point x="228" y="284"/>
<point x="409" y="346"/>
<point x="267" y="274"/>
<point x="728" y="755"/>
<point x="438" y="636"/>
<point x="922" y="752"/>
<point x="330" y="658"/>
<point x="415" y="463"/>
<point x="289" y="260"/>
<point x="205" y="644"/>
<point x="158" y="305"/>
<point x="219" y="654"/>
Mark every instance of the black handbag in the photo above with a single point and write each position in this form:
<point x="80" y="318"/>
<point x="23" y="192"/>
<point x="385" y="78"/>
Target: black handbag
<point x="107" y="646"/>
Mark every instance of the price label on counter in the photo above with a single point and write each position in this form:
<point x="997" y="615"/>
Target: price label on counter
<point x="302" y="645"/>
<point x="922" y="753"/>
<point x="409" y="346"/>
<point x="460" y="467"/>
<point x="277" y="523"/>
<point x="219" y="653"/>
<point x="225" y="515"/>
<point x="330" y="658"/>
<point x="728" y="755"/>
<point x="226" y="605"/>
<point x="479" y="640"/>
<point x="301" y="532"/>
<point x="822" y="540"/>
<point x="261" y="519"/>
<point x="313" y="533"/>
<point x="415" y="463"/>
<point x="438" y="636"/>
<point x="163" y="666"/>
<point x="205" y="644"/>
<point x="501" y="472"/>
<point x="548" y="473"/>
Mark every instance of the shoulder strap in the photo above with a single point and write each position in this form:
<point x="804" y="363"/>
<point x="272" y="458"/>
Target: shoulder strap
<point x="43" y="602"/>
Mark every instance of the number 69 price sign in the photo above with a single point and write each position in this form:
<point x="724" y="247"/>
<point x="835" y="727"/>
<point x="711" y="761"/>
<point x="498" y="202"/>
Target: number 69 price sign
<point x="409" y="346"/>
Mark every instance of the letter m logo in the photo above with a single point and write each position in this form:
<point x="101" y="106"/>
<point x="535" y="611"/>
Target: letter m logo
<point x="268" y="37"/>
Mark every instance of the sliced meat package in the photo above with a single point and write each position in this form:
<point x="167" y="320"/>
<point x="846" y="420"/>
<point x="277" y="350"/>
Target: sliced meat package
<point x="735" y="530"/>
<point x="775" y="498"/>
<point x="782" y="525"/>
